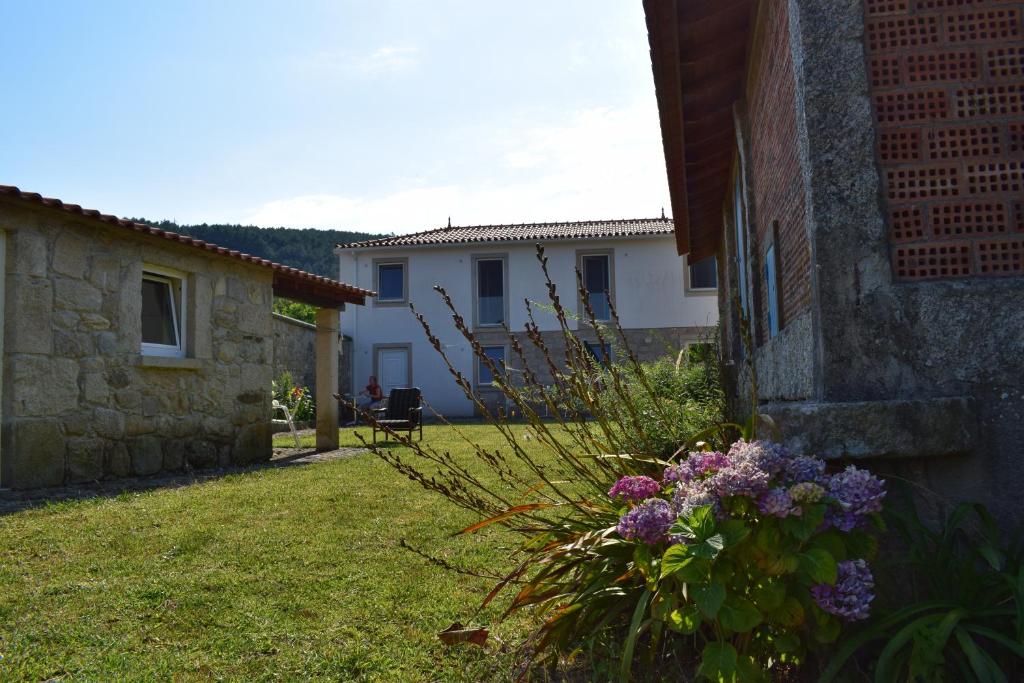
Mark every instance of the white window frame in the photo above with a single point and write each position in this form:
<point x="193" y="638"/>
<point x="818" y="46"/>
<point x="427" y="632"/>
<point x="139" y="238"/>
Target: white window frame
<point x="178" y="283"/>
<point x="480" y="364"/>
<point x="475" y="280"/>
<point x="689" y="277"/>
<point x="379" y="300"/>
<point x="581" y="260"/>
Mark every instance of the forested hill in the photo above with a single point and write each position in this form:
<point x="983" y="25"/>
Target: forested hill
<point x="306" y="249"/>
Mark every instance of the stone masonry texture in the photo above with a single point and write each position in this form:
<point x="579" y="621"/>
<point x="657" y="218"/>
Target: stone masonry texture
<point x="80" y="402"/>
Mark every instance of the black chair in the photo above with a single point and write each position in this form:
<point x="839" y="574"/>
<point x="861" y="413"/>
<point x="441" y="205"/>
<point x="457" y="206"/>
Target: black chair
<point x="403" y="412"/>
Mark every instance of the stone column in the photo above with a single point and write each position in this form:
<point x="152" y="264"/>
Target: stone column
<point x="326" y="379"/>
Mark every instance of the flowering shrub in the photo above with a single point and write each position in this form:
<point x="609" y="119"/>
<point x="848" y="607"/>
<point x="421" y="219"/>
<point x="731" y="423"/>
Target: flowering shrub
<point x="298" y="400"/>
<point x="757" y="553"/>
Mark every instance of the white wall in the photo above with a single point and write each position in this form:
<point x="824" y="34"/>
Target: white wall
<point x="648" y="293"/>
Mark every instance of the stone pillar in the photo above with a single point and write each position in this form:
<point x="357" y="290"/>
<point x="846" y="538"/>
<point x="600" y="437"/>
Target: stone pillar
<point x="326" y="379"/>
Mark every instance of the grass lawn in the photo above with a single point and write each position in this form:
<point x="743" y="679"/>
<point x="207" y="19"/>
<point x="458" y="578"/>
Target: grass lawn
<point x="276" y="574"/>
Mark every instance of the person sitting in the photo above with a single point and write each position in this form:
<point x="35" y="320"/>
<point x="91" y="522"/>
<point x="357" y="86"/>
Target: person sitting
<point x="371" y="396"/>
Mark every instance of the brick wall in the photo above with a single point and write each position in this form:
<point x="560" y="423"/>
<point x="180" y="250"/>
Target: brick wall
<point x="776" y="181"/>
<point x="947" y="84"/>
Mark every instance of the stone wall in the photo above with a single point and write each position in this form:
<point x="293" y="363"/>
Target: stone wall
<point x="294" y="350"/>
<point x="80" y="402"/>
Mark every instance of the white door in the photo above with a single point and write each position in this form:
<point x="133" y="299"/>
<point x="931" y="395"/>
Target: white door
<point x="393" y="366"/>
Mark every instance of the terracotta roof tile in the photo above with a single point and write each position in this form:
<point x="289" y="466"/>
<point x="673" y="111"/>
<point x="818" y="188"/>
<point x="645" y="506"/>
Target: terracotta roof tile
<point x="523" y="232"/>
<point x="289" y="282"/>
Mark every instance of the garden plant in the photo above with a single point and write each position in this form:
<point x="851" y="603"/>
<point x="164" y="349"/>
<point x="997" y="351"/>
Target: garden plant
<point x="656" y="531"/>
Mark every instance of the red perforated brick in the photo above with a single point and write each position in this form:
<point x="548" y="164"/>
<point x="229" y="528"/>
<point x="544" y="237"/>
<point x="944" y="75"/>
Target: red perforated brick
<point x="993" y="100"/>
<point x="1006" y="62"/>
<point x="876" y="7"/>
<point x="1016" y="135"/>
<point x="885" y="72"/>
<point x="965" y="219"/>
<point x="1001" y="257"/>
<point x="961" y="65"/>
<point x="907" y="223"/>
<point x="899" y="145"/>
<point x="933" y="260"/>
<point x="998" y="176"/>
<point x="902" y="32"/>
<point x="996" y="24"/>
<point x="901" y="107"/>
<point x="944" y="4"/>
<point x="963" y="141"/>
<point x="918" y="183"/>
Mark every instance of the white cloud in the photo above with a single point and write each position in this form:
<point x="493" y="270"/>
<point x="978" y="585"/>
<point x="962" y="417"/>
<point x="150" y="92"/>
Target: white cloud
<point x="384" y="60"/>
<point x="602" y="163"/>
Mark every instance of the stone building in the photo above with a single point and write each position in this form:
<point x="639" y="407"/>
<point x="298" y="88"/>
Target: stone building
<point x="858" y="168"/>
<point x="489" y="270"/>
<point x="128" y="350"/>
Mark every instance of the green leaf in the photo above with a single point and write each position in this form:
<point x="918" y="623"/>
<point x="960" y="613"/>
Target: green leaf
<point x="685" y="620"/>
<point x="819" y="565"/>
<point x="643" y="560"/>
<point x="861" y="544"/>
<point x="787" y="642"/>
<point x="790" y="613"/>
<point x="786" y="563"/>
<point x="634" y="631"/>
<point x="675" y="559"/>
<point x="981" y="663"/>
<point x="834" y="543"/>
<point x="733" y="531"/>
<point x="768" y="596"/>
<point x="702" y="522"/>
<point x="768" y="538"/>
<point x="749" y="671"/>
<point x="718" y="661"/>
<point x="710" y="598"/>
<point x="827" y="629"/>
<point x="709" y="547"/>
<point x="739" y="614"/>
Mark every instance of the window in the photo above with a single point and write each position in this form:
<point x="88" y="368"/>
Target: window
<point x="602" y="353"/>
<point x="704" y="274"/>
<point x="773" y="298"/>
<point x="597" y="282"/>
<point x="739" y="218"/>
<point x="390" y="282"/>
<point x="490" y="291"/>
<point x="163" y="319"/>
<point x="483" y="374"/>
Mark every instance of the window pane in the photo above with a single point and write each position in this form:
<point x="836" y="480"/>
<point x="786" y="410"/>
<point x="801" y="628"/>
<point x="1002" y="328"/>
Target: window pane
<point x="597" y="282"/>
<point x="704" y="274"/>
<point x="390" y="282"/>
<point x="490" y="290"/>
<point x="773" y="294"/>
<point x="497" y="356"/>
<point x="158" y="324"/>
<point x="600" y="352"/>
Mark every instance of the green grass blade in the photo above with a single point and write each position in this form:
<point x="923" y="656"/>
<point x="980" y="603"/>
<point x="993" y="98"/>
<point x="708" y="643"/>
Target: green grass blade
<point x="634" y="631"/>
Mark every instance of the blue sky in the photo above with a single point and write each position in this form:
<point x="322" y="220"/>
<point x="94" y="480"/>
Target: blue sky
<point x="383" y="116"/>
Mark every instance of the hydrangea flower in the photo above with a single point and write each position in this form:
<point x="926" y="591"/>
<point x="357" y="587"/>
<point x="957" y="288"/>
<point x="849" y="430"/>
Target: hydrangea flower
<point x="634" y="489"/>
<point x="765" y="455"/>
<point x="743" y="477"/>
<point x="858" y="493"/>
<point x="777" y="503"/>
<point x="850" y="599"/>
<point x="806" y="492"/>
<point x="648" y="522"/>
<point x="693" y="494"/>
<point x="804" y="468"/>
<point x="696" y="466"/>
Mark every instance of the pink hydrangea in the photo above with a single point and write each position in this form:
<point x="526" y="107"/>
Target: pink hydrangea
<point x="634" y="489"/>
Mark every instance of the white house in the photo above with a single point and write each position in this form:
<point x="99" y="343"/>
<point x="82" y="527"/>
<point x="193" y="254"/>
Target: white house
<point x="490" y="270"/>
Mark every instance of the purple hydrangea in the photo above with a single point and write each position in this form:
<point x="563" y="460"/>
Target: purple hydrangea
<point x="743" y="477"/>
<point x="693" y="494"/>
<point x="857" y="491"/>
<point x="850" y="599"/>
<point x="765" y="455"/>
<point x="634" y="489"/>
<point x="648" y="522"/>
<point x="804" y="468"/>
<point x="777" y="503"/>
<point x="697" y="465"/>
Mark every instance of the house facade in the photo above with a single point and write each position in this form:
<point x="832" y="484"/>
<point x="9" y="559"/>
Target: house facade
<point x="128" y="350"/>
<point x="857" y="166"/>
<point x="490" y="271"/>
